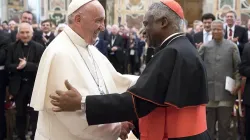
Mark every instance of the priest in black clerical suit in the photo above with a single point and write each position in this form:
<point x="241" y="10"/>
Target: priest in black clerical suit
<point x="22" y="62"/>
<point x="170" y="96"/>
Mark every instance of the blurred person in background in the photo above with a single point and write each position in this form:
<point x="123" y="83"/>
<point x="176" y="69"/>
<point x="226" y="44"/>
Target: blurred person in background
<point x="132" y="53"/>
<point x="197" y="27"/>
<point x="48" y="35"/>
<point x="116" y="50"/>
<point x="22" y="62"/>
<point x="235" y="33"/>
<point x="248" y="31"/>
<point x="12" y="26"/>
<point x="4" y="43"/>
<point x="204" y="35"/>
<point x="5" y="26"/>
<point x="59" y="28"/>
<point x="27" y="17"/>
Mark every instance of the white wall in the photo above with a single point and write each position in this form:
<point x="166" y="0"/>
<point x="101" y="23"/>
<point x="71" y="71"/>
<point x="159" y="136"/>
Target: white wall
<point x="208" y="6"/>
<point x="3" y="10"/>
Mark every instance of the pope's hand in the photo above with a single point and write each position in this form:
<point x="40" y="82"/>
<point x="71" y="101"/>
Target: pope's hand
<point x="126" y="127"/>
<point x="66" y="100"/>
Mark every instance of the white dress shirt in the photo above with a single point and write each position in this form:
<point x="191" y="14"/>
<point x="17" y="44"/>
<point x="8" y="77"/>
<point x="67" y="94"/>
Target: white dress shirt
<point x="207" y="36"/>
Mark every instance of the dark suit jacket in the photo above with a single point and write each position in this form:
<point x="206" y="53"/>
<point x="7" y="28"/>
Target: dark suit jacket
<point x="102" y="46"/>
<point x="4" y="42"/>
<point x="119" y="42"/>
<point x="37" y="36"/>
<point x="15" y="51"/>
<point x="198" y="37"/>
<point x="245" y="71"/>
<point x="50" y="39"/>
<point x="242" y="34"/>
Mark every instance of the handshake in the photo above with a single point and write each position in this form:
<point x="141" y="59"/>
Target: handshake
<point x="126" y="127"/>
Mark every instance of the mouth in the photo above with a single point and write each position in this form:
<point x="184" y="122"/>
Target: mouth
<point x="96" y="33"/>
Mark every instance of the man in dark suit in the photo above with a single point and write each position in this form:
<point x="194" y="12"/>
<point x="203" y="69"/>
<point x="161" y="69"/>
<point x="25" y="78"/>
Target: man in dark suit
<point x="22" y="62"/>
<point x="102" y="46"/>
<point x="27" y="17"/>
<point x="115" y="51"/>
<point x="48" y="36"/>
<point x="4" y="42"/>
<point x="234" y="32"/>
<point x="245" y="71"/>
<point x="205" y="35"/>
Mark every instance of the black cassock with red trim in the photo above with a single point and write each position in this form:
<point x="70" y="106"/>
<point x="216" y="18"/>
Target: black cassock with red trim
<point x="175" y="76"/>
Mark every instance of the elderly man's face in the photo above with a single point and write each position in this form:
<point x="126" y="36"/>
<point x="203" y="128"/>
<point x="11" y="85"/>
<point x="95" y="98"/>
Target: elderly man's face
<point x="217" y="31"/>
<point x="25" y="33"/>
<point x="152" y="30"/>
<point x="92" y="23"/>
<point x="114" y="29"/>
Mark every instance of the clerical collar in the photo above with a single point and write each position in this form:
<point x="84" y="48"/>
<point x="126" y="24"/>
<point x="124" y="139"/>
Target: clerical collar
<point x="170" y="37"/>
<point x="74" y="37"/>
<point x="25" y="44"/>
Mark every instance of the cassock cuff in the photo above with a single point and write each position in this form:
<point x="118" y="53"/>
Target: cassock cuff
<point x="83" y="104"/>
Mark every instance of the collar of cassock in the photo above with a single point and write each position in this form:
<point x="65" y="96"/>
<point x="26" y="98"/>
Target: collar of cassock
<point x="168" y="39"/>
<point x="25" y="44"/>
<point x="74" y="37"/>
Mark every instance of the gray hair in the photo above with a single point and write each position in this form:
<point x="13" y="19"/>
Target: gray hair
<point x="22" y="24"/>
<point x="217" y="22"/>
<point x="159" y="10"/>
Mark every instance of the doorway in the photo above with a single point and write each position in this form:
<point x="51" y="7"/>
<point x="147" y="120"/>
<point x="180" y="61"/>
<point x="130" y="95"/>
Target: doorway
<point x="192" y="10"/>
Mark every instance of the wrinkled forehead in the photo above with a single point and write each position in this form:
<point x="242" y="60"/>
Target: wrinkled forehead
<point x="217" y="25"/>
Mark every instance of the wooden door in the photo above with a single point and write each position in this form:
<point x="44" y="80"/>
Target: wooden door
<point x="192" y="10"/>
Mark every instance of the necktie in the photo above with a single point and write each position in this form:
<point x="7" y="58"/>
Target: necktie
<point x="230" y="33"/>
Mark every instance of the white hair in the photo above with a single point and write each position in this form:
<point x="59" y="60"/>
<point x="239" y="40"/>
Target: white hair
<point x="24" y="24"/>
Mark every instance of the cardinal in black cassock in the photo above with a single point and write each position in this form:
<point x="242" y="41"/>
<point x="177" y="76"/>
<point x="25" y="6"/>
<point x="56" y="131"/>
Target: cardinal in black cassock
<point x="170" y="96"/>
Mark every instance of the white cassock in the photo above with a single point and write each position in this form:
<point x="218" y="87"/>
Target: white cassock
<point x="62" y="61"/>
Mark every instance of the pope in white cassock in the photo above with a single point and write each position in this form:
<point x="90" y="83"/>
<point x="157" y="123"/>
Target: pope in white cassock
<point x="71" y="56"/>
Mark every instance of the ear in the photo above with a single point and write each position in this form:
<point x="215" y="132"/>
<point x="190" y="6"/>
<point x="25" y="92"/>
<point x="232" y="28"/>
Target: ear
<point x="77" y="18"/>
<point x="164" y="22"/>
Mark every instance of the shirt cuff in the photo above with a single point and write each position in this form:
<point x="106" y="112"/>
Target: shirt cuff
<point x="83" y="105"/>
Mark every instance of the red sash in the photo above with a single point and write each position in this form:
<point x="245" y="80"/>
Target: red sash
<point x="170" y="122"/>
